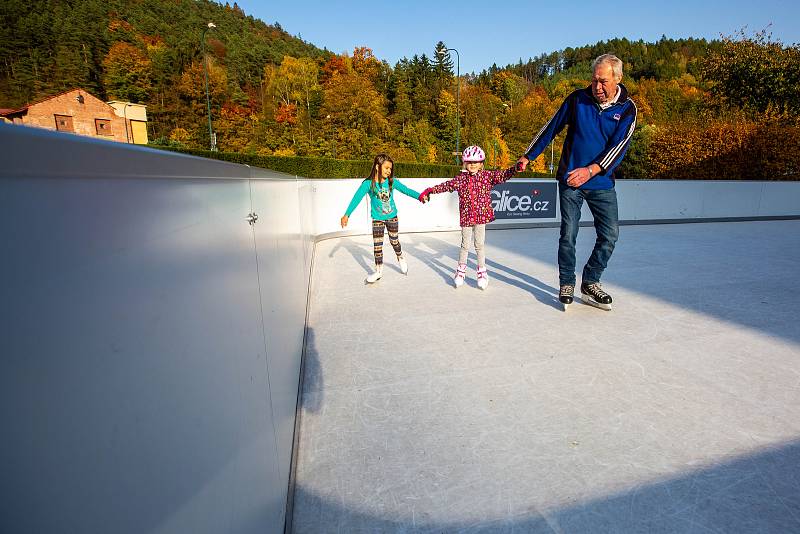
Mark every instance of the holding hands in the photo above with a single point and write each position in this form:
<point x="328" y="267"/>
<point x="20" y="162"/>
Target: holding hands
<point x="425" y="195"/>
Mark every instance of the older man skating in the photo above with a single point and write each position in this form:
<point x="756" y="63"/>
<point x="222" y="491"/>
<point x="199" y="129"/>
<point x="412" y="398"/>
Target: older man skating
<point x="600" y="120"/>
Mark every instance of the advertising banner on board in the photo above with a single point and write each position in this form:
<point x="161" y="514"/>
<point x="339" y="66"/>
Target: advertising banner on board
<point x="516" y="199"/>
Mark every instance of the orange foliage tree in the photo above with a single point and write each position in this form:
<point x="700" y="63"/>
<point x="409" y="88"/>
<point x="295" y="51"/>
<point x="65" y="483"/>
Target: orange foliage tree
<point x="127" y="73"/>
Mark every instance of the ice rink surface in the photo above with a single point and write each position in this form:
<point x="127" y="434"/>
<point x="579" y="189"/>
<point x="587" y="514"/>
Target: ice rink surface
<point x="427" y="408"/>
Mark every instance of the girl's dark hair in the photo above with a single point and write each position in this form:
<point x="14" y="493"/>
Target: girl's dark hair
<point x="374" y="174"/>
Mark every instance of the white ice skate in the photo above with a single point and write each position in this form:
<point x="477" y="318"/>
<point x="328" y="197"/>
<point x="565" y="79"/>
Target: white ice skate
<point x="483" y="279"/>
<point x="461" y="274"/>
<point x="403" y="264"/>
<point x="375" y="276"/>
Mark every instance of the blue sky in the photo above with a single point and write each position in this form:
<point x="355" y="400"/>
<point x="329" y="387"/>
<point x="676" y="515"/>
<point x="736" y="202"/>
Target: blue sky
<point x="503" y="32"/>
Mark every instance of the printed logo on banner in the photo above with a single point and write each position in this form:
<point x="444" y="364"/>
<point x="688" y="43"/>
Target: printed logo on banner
<point x="524" y="200"/>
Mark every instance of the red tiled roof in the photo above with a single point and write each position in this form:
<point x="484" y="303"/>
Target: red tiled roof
<point x="4" y="112"/>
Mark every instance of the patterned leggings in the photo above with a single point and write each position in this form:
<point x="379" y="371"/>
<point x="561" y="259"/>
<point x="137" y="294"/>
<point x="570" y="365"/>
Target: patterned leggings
<point x="377" y="238"/>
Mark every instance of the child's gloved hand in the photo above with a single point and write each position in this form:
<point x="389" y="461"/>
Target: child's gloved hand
<point x="425" y="195"/>
<point x="344" y="220"/>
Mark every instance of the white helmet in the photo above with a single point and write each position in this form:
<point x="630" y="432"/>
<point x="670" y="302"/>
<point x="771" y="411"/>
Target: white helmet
<point x="473" y="154"/>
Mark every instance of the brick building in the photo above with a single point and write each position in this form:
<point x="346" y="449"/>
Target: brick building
<point x="79" y="112"/>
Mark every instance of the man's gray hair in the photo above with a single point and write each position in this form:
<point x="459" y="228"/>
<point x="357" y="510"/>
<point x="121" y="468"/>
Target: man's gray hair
<point x="610" y="59"/>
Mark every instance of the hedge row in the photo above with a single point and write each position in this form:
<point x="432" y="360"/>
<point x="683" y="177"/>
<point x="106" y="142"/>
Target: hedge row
<point x="329" y="168"/>
<point x="741" y="150"/>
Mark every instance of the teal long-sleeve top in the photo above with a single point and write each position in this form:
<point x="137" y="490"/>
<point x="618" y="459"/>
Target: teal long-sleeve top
<point x="381" y="199"/>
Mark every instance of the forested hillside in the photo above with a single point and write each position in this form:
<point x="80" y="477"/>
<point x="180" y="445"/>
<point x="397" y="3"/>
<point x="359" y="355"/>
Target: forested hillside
<point x="727" y="108"/>
<point x="145" y="51"/>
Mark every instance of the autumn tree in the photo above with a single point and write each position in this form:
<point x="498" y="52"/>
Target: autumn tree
<point x="526" y="118"/>
<point x="357" y="111"/>
<point x="365" y="64"/>
<point x="295" y="84"/>
<point x="191" y="90"/>
<point x="127" y="73"/>
<point x="509" y="87"/>
<point x="446" y="121"/>
<point x="481" y="111"/>
<point x="421" y="140"/>
<point x="756" y="73"/>
<point x="234" y="125"/>
<point x="334" y="65"/>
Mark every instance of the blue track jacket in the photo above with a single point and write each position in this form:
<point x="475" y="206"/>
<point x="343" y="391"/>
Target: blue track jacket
<point x="594" y="135"/>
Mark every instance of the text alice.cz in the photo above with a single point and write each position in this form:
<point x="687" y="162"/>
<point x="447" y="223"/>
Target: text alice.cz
<point x="507" y="202"/>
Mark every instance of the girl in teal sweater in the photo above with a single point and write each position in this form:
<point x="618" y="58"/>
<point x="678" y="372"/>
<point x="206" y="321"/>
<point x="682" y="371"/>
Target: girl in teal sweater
<point x="380" y="187"/>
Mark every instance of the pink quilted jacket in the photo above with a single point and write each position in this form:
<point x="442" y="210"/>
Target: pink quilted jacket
<point x="474" y="194"/>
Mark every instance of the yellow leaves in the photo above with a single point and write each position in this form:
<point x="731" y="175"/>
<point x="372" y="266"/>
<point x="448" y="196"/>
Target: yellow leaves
<point x="365" y="63"/>
<point x="723" y="150"/>
<point x="563" y="88"/>
<point x="666" y="101"/>
<point x="522" y="122"/>
<point x="287" y="151"/>
<point x="446" y="99"/>
<point x="294" y="80"/>
<point x="116" y="25"/>
<point x="127" y="73"/>
<point x="153" y="43"/>
<point x="192" y="82"/>
<point x="497" y="153"/>
<point x="181" y="135"/>
<point x="508" y="86"/>
<point x="431" y="154"/>
<point x="446" y="110"/>
<point x="400" y="153"/>
<point x="353" y="102"/>
<point x="480" y="111"/>
<point x="538" y="165"/>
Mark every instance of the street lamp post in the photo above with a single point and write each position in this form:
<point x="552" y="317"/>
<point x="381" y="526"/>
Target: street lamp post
<point x="205" y="76"/>
<point x="458" y="97"/>
<point x="125" y="118"/>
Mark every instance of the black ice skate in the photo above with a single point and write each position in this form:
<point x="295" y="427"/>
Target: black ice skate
<point x="565" y="295"/>
<point x="594" y="295"/>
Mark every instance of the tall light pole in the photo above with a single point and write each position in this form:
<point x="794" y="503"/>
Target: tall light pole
<point x="458" y="97"/>
<point x="205" y="76"/>
<point x="125" y="118"/>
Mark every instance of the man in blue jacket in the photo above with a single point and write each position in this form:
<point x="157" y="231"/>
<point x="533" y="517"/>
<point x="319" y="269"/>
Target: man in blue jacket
<point x="600" y="121"/>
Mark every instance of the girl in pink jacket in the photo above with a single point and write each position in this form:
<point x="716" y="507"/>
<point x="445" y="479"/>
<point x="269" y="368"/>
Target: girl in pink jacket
<point x="474" y="186"/>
